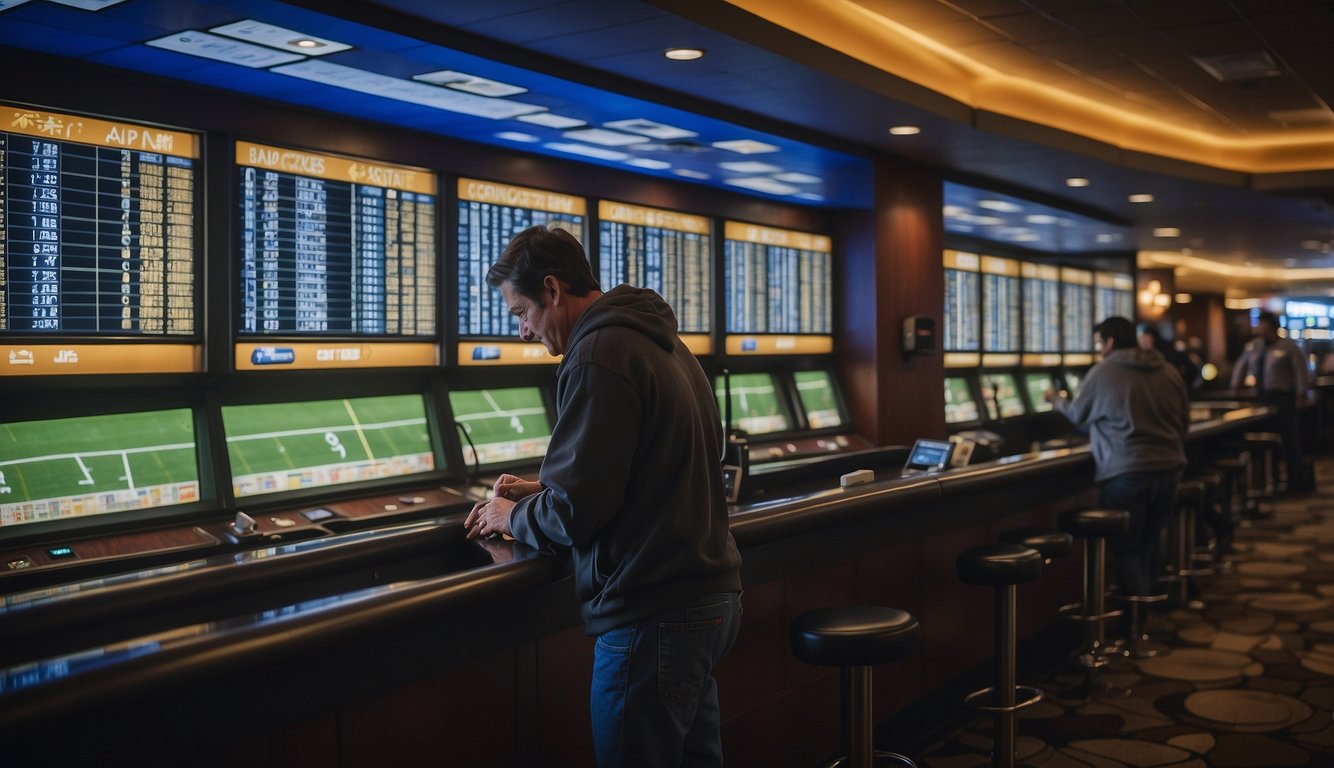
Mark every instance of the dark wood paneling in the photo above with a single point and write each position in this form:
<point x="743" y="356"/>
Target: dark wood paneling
<point x="746" y="674"/>
<point x="564" y="673"/>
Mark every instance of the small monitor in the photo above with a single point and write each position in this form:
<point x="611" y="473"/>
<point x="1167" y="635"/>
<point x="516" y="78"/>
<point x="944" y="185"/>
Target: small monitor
<point x="1037" y="385"/>
<point x="1002" y="396"/>
<point x="501" y="425"/>
<point x="293" y="446"/>
<point x="960" y="407"/>
<point x="815" y="389"/>
<point x="58" y="469"/>
<point x="757" y="406"/>
<point x="928" y="456"/>
<point x="1072" y="379"/>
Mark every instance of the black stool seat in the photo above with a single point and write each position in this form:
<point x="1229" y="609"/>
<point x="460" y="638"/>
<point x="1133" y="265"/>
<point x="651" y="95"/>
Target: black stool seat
<point x="853" y="635"/>
<point x="1190" y="490"/>
<point x="1050" y="544"/>
<point x="999" y="564"/>
<point x="1095" y="523"/>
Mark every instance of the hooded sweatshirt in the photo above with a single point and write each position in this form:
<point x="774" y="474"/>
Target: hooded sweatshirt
<point x="1136" y="410"/>
<point x="633" y="475"/>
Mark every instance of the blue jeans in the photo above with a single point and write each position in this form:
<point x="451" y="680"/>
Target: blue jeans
<point x="654" y="700"/>
<point x="1150" y="498"/>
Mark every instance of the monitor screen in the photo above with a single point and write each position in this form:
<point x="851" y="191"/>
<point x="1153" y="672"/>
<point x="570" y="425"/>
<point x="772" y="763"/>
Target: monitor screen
<point x="502" y="425"/>
<point x="1113" y="296"/>
<point x="97" y="240"/>
<point x="816" y="392"/>
<point x="960" y="406"/>
<point x="757" y="406"/>
<point x="669" y="252"/>
<point x="1042" y="294"/>
<point x="58" y="469"/>
<point x="1037" y="385"/>
<point x="777" y="281"/>
<point x="334" y="246"/>
<point x="1072" y="379"/>
<point x="490" y="215"/>
<point x="929" y="455"/>
<point x="1076" y="310"/>
<point x="290" y="446"/>
<point x="1002" y="396"/>
<point x="962" y="331"/>
<point x="1000" y="305"/>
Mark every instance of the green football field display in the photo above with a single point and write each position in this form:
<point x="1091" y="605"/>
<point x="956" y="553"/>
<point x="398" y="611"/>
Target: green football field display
<point x="69" y="468"/>
<point x="816" y="390"/>
<point x="503" y="424"/>
<point x="756" y="409"/>
<point x="959" y="403"/>
<point x="276" y="447"/>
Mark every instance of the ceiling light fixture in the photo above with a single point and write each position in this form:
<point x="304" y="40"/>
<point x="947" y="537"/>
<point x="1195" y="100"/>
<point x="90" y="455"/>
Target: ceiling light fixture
<point x="905" y="130"/>
<point x="1166" y="232"/>
<point x="684" y="54"/>
<point x="1004" y="206"/>
<point x="1140" y="198"/>
<point x="1076" y="182"/>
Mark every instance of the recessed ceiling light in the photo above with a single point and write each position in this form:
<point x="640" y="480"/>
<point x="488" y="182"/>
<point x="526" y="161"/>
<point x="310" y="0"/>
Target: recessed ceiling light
<point x="306" y="42"/>
<point x="1004" y="206"/>
<point x="1141" y="198"/>
<point x="798" y="178"/>
<point x="586" y="151"/>
<point x="462" y="81"/>
<point x="656" y="130"/>
<point x="526" y="138"/>
<point x="604" y="137"/>
<point x="954" y="211"/>
<point x="684" y="54"/>
<point x="1106" y="237"/>
<point x="1166" y="232"/>
<point x="1183" y="298"/>
<point x="905" y="130"/>
<point x="763" y="184"/>
<point x="749" y="166"/>
<point x="810" y="196"/>
<point x="551" y="120"/>
<point x="745" y="146"/>
<point x="204" y="45"/>
<point x="282" y="38"/>
<point x="988" y="221"/>
<point x="1076" y="182"/>
<point x="650" y="164"/>
<point x="1040" y="218"/>
<point x="689" y="174"/>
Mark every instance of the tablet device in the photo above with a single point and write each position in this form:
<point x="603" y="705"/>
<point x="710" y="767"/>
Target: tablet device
<point x="928" y="456"/>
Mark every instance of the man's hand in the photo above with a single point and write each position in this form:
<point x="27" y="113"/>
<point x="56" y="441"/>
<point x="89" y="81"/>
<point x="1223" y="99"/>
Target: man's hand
<point x="488" y="517"/>
<point x="514" y="488"/>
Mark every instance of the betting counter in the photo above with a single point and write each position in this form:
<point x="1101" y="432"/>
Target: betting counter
<point x="295" y="635"/>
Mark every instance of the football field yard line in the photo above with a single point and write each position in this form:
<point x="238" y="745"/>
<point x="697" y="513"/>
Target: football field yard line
<point x="87" y="478"/>
<point x="115" y="452"/>
<point x="322" y="430"/>
<point x="501" y="414"/>
<point x="360" y="435"/>
<point x="129" y="478"/>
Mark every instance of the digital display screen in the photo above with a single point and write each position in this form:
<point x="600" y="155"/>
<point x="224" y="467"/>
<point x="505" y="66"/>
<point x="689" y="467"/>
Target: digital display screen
<point x="60" y="469"/>
<point x="666" y="251"/>
<point x="1037" y="384"/>
<point x="1113" y="296"/>
<point x="502" y="425"/>
<point x="1000" y="305"/>
<point x="97" y="226"/>
<point x="290" y="446"/>
<point x="1076" y="310"/>
<point x="777" y="281"/>
<point x="960" y="406"/>
<point x="757" y="406"/>
<point x="962" y="331"/>
<point x="490" y="215"/>
<point x="335" y="246"/>
<point x="1072" y="379"/>
<point x="815" y="389"/>
<point x="1042" y="295"/>
<point x="930" y="454"/>
<point x="1002" y="396"/>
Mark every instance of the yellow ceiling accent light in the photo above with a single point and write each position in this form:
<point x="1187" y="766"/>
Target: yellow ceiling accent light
<point x="684" y="54"/>
<point x="894" y="48"/>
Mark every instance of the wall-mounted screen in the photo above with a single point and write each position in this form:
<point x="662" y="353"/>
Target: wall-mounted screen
<point x="1000" y="305"/>
<point x="59" y="469"/>
<point x="1037" y="384"/>
<point x="334" y="247"/>
<point x="501" y="425"/>
<point x="1042" y="298"/>
<point x="1001" y="395"/>
<point x="490" y="215"/>
<point x="97" y="239"/>
<point x="299" y="445"/>
<point x="757" y="405"/>
<point x="1076" y="310"/>
<point x="1113" y="296"/>
<point x="960" y="407"/>
<point x="666" y="251"/>
<point x="815" y="389"/>
<point x="962" y="330"/>
<point x="777" y="289"/>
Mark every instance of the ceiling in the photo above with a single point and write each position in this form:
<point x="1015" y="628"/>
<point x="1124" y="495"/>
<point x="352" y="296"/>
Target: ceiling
<point x="1014" y="96"/>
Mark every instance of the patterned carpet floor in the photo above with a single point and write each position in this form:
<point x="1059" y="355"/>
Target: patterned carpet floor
<point x="1246" y="680"/>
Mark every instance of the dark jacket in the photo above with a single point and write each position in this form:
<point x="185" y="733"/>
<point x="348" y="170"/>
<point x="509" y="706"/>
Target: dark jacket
<point x="1137" y="412"/>
<point x="632" y="478"/>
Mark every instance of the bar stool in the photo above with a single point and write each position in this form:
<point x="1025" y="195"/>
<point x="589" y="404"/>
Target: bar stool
<point x="1232" y="470"/>
<point x="1002" y="566"/>
<point x="1049" y="543"/>
<point x="1139" y="646"/>
<point x="1094" y="526"/>
<point x="1191" y="497"/>
<point x="1266" y="454"/>
<point x="853" y="638"/>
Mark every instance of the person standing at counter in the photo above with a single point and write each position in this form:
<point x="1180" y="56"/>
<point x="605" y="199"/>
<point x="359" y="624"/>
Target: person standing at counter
<point x="632" y="484"/>
<point x="1137" y="412"/>
<point x="1278" y="368"/>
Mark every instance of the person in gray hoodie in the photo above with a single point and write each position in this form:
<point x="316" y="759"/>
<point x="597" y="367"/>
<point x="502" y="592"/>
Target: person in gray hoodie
<point x="1137" y="411"/>
<point x="632" y="485"/>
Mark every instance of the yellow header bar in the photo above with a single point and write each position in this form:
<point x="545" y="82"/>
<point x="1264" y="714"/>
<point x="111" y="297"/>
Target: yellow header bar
<point x="1042" y="359"/>
<point x="785" y="238"/>
<point x="1079" y="359"/>
<point x="504" y="353"/>
<point x="1076" y="276"/>
<point x="307" y="355"/>
<point x="101" y="133"/>
<point x="1006" y="360"/>
<point x="775" y="344"/>
<point x="961" y="359"/>
<point x="57" y="359"/>
<point x="960" y="260"/>
<point x="476" y="191"/>
<point x="1114" y="280"/>
<point x="652" y="217"/>
<point x="336" y="168"/>
<point x="995" y="265"/>
<point x="1039" y="271"/>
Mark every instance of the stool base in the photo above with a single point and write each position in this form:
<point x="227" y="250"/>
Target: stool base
<point x="877" y="760"/>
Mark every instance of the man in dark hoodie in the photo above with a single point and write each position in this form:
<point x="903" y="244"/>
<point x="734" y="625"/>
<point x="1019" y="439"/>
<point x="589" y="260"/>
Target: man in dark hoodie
<point x="632" y="485"/>
<point x="1137" y="411"/>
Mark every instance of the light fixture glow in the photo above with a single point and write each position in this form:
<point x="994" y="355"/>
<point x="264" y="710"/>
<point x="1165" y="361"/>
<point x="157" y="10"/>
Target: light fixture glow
<point x="1183" y="298"/>
<point x="1004" y="206"/>
<point x="306" y="42"/>
<point x="1166" y="232"/>
<point x="684" y="54"/>
<point x="1076" y="182"/>
<point x="1040" y="218"/>
<point x="905" y="130"/>
<point x="1140" y="198"/>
